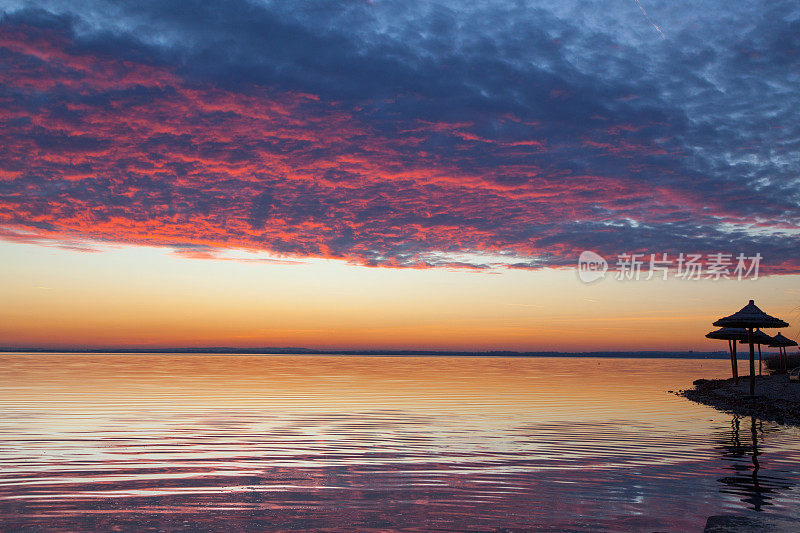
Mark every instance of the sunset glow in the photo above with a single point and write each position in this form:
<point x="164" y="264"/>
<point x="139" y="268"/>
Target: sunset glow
<point x="148" y="297"/>
<point x="304" y="186"/>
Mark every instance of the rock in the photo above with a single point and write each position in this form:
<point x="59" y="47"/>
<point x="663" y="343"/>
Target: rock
<point x="777" y="399"/>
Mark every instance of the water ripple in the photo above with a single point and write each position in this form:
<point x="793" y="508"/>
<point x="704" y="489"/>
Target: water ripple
<point x="262" y="443"/>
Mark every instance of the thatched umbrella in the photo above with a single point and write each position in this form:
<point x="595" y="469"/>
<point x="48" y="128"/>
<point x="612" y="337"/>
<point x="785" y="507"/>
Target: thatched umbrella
<point x="759" y="338"/>
<point x="780" y="342"/>
<point x="731" y="335"/>
<point x="751" y="317"/>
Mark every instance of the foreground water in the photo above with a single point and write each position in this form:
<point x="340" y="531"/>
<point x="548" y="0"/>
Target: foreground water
<point x="238" y="443"/>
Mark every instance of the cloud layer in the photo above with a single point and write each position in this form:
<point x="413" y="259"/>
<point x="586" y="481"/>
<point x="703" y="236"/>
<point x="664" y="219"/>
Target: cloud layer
<point x="411" y="134"/>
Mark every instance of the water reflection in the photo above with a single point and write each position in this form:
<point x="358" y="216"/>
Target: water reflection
<point x="247" y="443"/>
<point x="740" y="448"/>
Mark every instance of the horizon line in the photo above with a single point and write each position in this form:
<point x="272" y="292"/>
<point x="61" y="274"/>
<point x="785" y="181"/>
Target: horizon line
<point x="223" y="350"/>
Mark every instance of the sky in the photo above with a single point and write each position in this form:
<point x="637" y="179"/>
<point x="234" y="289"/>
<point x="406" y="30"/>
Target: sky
<point x="421" y="174"/>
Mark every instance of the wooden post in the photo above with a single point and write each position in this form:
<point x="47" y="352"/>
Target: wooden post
<point x="784" y="359"/>
<point x="730" y="349"/>
<point x="752" y="362"/>
<point x="759" y="360"/>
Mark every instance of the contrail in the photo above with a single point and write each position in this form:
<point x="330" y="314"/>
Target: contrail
<point x="649" y="19"/>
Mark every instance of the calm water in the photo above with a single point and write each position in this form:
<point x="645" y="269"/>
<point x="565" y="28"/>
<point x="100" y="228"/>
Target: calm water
<point x="238" y="443"/>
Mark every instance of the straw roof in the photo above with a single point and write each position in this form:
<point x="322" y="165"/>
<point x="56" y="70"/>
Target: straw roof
<point x="759" y="337"/>
<point x="750" y="316"/>
<point x="779" y="340"/>
<point x="736" y="334"/>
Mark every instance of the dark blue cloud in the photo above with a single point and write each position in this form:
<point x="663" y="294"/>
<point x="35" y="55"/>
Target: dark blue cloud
<point x="701" y="123"/>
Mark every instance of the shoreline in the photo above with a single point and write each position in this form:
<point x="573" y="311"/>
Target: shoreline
<point x="777" y="399"/>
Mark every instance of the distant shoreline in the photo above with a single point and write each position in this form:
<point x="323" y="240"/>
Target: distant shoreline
<point x="397" y="353"/>
<point x="777" y="399"/>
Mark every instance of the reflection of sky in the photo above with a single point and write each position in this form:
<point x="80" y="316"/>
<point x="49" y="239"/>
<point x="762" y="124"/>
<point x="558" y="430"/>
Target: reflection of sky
<point x="376" y="442"/>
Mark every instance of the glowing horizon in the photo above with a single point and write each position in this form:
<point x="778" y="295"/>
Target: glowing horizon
<point x="148" y="297"/>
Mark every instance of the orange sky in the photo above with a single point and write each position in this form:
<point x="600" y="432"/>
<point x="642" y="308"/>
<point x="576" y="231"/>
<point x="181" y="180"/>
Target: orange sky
<point x="149" y="297"/>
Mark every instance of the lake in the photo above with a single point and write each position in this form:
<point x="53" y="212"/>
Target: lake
<point x="246" y="443"/>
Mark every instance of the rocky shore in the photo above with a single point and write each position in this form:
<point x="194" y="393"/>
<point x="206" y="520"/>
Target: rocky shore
<point x="776" y="399"/>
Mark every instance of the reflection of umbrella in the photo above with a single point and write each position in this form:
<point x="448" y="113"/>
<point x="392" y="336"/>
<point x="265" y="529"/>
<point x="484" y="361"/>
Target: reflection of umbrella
<point x="751" y="317"/>
<point x="759" y="338"/>
<point x="735" y="447"/>
<point x="781" y="342"/>
<point x="731" y="335"/>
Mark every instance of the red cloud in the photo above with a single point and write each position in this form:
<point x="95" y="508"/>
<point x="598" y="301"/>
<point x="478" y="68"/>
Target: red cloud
<point x="94" y="147"/>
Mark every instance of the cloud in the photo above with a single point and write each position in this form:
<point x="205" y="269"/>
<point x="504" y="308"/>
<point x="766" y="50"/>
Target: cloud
<point x="403" y="134"/>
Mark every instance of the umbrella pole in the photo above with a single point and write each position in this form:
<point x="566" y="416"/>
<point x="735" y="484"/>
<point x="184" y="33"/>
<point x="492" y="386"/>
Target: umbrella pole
<point x="784" y="360"/>
<point x="735" y="364"/>
<point x="752" y="362"/>
<point x="759" y="360"/>
<point x="730" y="349"/>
